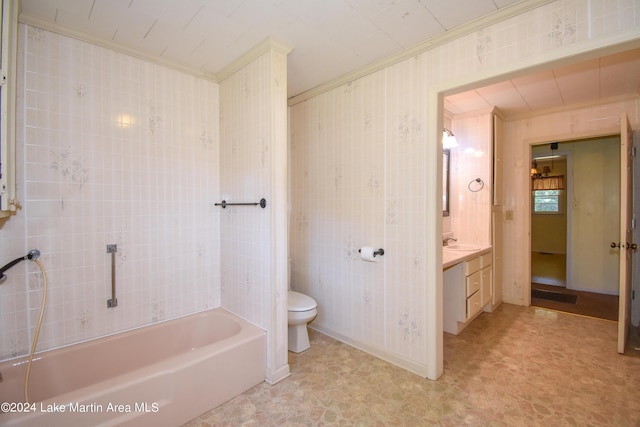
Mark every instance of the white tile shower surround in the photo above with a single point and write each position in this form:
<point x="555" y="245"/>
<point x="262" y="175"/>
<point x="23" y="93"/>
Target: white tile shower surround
<point x="80" y="191"/>
<point x="111" y="150"/>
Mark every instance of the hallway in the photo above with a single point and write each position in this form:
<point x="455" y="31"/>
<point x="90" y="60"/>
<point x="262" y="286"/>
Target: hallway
<point x="591" y="304"/>
<point x="548" y="275"/>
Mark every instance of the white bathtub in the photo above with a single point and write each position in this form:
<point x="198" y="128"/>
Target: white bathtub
<point x="162" y="375"/>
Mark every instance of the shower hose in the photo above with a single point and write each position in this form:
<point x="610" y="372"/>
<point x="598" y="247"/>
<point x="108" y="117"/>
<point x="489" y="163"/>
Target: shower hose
<point x="34" y="342"/>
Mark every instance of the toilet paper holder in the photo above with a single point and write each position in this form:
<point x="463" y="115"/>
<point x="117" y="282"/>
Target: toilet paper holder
<point x="378" y="252"/>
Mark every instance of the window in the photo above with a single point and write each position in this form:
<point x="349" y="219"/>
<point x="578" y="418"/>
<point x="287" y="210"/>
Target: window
<point x="547" y="201"/>
<point x="8" y="29"/>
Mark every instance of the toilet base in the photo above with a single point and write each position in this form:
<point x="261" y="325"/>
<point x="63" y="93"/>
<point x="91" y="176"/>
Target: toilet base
<point x="298" y="338"/>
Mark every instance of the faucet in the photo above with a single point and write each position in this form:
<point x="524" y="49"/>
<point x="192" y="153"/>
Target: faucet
<point x="446" y="240"/>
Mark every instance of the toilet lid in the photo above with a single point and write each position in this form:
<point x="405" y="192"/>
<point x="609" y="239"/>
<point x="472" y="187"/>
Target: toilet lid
<point x="300" y="302"/>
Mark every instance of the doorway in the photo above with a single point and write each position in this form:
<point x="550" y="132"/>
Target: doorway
<point x="575" y="214"/>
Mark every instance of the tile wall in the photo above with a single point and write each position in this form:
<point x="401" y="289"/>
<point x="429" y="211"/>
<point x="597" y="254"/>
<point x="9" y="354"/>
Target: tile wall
<point x="111" y="150"/>
<point x="253" y="118"/>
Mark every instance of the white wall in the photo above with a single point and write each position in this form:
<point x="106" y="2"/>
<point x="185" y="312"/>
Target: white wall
<point x="595" y="216"/>
<point x="362" y="173"/>
<point x="472" y="159"/>
<point x="86" y="181"/>
<point x="253" y="125"/>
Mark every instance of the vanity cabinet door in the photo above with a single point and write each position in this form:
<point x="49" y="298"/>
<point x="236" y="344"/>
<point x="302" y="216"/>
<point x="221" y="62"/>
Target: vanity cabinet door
<point x="474" y="304"/>
<point x="487" y="285"/>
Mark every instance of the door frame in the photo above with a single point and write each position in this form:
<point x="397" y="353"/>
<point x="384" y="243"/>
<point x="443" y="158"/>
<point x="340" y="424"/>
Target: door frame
<point x="596" y="133"/>
<point x="433" y="304"/>
<point x="626" y="231"/>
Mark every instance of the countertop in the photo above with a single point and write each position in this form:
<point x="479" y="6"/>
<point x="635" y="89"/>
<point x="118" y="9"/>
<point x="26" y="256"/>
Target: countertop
<point x="451" y="257"/>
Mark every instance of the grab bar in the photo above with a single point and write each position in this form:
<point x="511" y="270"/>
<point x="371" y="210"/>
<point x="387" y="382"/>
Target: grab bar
<point x="113" y="302"/>
<point x="224" y="204"/>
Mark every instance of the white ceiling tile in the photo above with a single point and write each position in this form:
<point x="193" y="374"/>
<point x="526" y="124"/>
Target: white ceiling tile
<point x="170" y="12"/>
<point x="466" y="102"/>
<point x="579" y="82"/>
<point x="315" y="13"/>
<point x="452" y="13"/>
<point x="369" y="8"/>
<point x="330" y="38"/>
<point x="360" y="36"/>
<point x="262" y="14"/>
<point x="538" y="90"/>
<point x="407" y="22"/>
<point x="43" y="8"/>
<point x="68" y="14"/>
<point x="130" y="26"/>
<point x="620" y="74"/>
<point x="216" y="27"/>
<point x="171" y="44"/>
<point x="505" y="95"/>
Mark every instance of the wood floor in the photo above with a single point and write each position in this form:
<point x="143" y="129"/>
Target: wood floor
<point x="588" y="304"/>
<point x="548" y="273"/>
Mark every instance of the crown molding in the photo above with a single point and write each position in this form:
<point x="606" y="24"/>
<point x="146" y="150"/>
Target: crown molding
<point x="579" y="106"/>
<point x="424" y="46"/>
<point x="251" y="55"/>
<point x="55" y="27"/>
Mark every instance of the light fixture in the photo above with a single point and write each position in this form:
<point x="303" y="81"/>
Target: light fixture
<point x="448" y="139"/>
<point x="534" y="169"/>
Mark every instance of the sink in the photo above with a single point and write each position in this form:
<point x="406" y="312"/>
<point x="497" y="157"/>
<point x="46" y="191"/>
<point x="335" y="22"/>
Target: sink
<point x="461" y="247"/>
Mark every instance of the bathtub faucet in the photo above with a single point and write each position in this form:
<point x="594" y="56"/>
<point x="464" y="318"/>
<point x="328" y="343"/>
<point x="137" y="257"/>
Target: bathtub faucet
<point x="33" y="255"/>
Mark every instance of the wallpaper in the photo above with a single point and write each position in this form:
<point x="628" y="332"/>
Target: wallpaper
<point x="111" y="150"/>
<point x="359" y="177"/>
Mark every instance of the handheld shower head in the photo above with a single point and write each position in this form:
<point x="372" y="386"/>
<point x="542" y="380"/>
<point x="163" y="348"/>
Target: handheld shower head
<point x="33" y="255"/>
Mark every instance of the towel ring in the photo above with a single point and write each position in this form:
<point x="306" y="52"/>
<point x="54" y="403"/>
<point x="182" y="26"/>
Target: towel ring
<point x="480" y="187"/>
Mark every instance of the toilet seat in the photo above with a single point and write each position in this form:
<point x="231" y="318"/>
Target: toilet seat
<point x="300" y="302"/>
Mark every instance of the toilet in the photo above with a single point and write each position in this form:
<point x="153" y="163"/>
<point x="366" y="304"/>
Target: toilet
<point x="302" y="309"/>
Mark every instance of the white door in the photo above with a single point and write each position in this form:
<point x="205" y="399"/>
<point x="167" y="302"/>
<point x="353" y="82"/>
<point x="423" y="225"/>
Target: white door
<point x="626" y="233"/>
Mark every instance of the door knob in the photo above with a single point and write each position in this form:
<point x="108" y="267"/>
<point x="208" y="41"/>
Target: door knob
<point x="632" y="246"/>
<point x="615" y="245"/>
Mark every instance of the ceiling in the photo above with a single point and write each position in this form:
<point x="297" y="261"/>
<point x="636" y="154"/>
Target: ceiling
<point x="601" y="78"/>
<point x="329" y="38"/>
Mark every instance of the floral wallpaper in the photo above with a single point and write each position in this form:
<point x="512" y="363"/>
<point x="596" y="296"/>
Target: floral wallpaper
<point x="359" y="170"/>
<point x="254" y="272"/>
<point x="111" y="150"/>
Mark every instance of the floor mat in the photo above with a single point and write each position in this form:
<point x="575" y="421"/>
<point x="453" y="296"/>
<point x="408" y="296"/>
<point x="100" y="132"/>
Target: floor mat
<point x="554" y="296"/>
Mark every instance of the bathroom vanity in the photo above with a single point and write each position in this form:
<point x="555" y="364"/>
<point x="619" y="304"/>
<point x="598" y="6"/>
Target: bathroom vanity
<point x="467" y="286"/>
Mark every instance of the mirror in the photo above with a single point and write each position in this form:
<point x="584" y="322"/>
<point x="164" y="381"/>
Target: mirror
<point x="445" y="182"/>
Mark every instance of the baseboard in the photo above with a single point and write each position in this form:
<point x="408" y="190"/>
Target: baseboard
<point x="278" y="375"/>
<point x="402" y="362"/>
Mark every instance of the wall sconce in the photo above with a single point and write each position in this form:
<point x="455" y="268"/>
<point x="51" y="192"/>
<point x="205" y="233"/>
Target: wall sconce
<point x="448" y="139"/>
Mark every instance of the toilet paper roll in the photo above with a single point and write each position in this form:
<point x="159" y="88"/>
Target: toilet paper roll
<point x="366" y="253"/>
